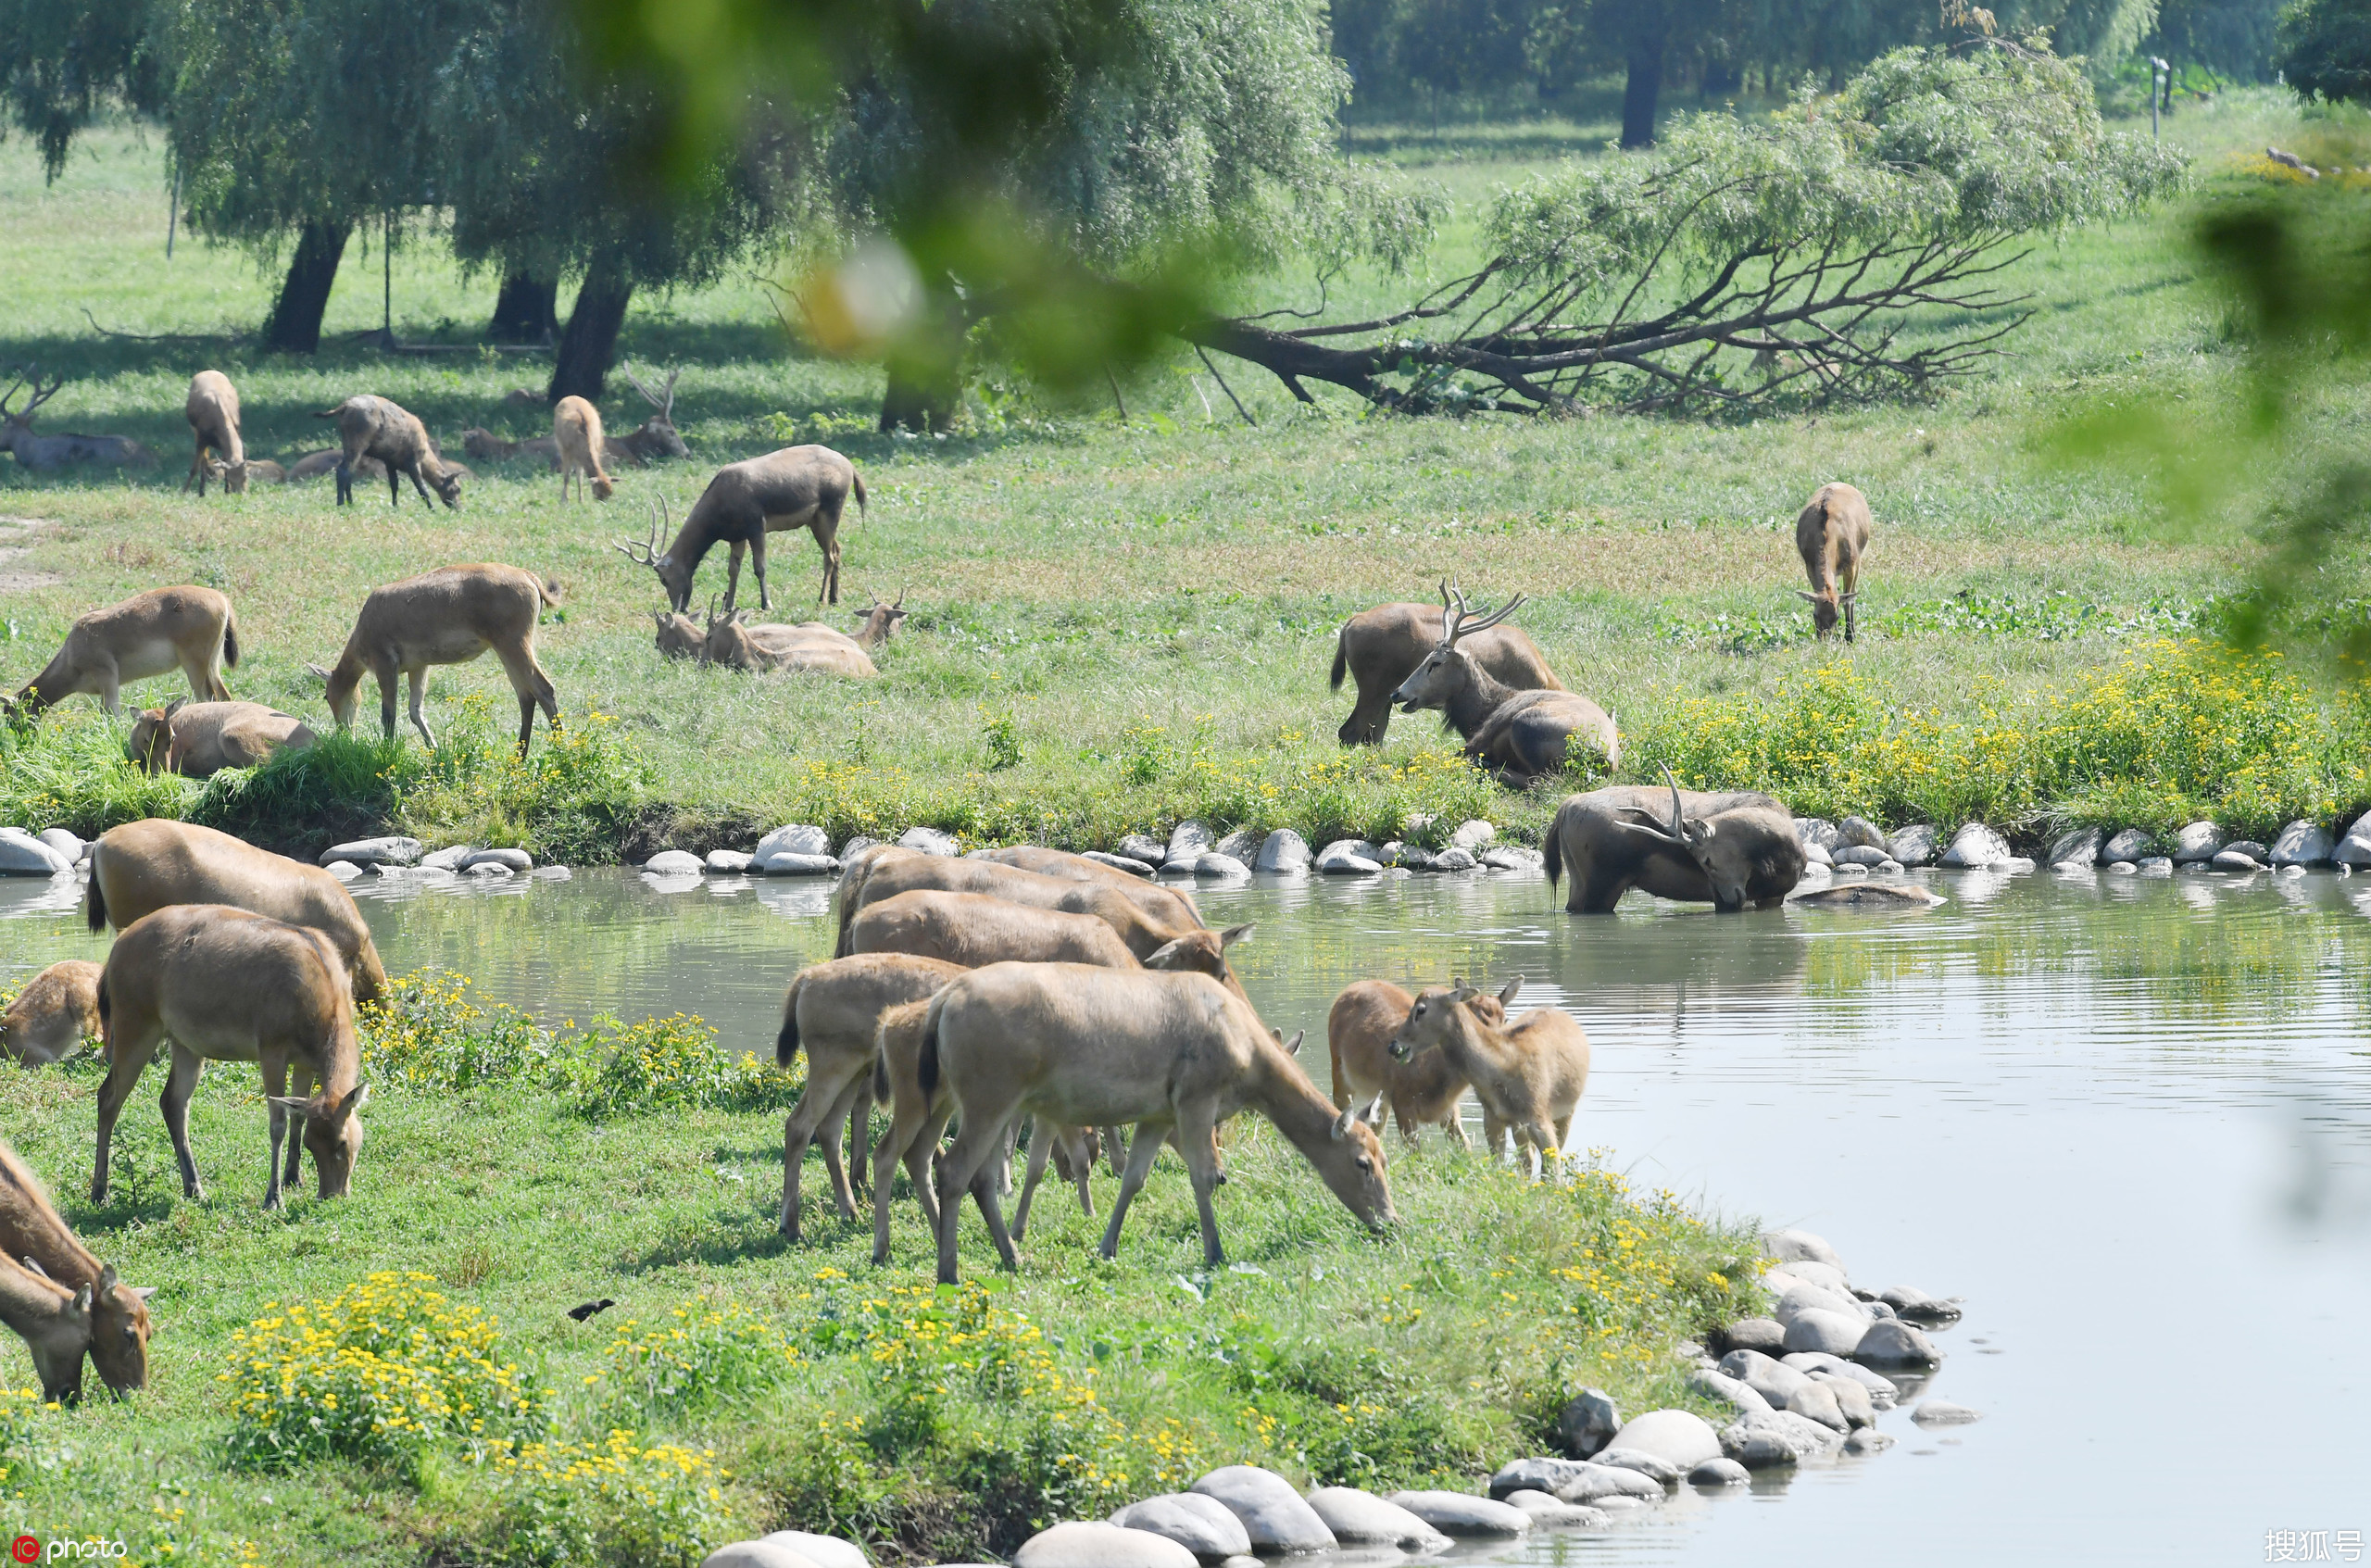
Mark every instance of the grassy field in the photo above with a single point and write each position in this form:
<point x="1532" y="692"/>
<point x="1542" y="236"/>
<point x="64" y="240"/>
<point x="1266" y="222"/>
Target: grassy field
<point x="1121" y="621"/>
<point x="798" y="1384"/>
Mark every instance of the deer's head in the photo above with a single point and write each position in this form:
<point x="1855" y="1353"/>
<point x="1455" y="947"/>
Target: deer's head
<point x="659" y="431"/>
<point x="878" y="622"/>
<point x="1447" y="670"/>
<point x="673" y="576"/>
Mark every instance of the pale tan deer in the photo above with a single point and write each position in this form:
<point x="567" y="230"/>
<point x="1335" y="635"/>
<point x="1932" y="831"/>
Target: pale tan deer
<point x="974" y="929"/>
<point x="1381" y="648"/>
<point x="831" y="1012"/>
<point x="449" y="616"/>
<point x="1831" y="534"/>
<point x="46" y="454"/>
<point x="1528" y="1075"/>
<point x="737" y="643"/>
<point x="1423" y="1091"/>
<point x="142" y="867"/>
<point x="879" y="622"/>
<point x="576" y="430"/>
<point x="32" y="1233"/>
<point x="1518" y="736"/>
<point x="199" y="740"/>
<point x="189" y="629"/>
<point x="796" y="487"/>
<point x="384" y="431"/>
<point x="53" y="1015"/>
<point x="213" y="410"/>
<point x="228" y="986"/>
<point x="1084" y="1047"/>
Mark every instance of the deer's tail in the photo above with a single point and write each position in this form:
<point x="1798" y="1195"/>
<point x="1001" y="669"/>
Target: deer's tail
<point x="94" y="908"/>
<point x="787" y="1042"/>
<point x="230" y="641"/>
<point x="856" y="488"/>
<point x="926" y="1069"/>
<point x="325" y="413"/>
<point x="1341" y="662"/>
<point x="1552" y="848"/>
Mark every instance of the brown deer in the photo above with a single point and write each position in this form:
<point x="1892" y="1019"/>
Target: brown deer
<point x="449" y="616"/>
<point x="1731" y="850"/>
<point x="975" y="929"/>
<point x="737" y="643"/>
<point x="1528" y="1075"/>
<point x="199" y="740"/>
<point x="796" y="487"/>
<point x="228" y="986"/>
<point x="656" y="437"/>
<point x="32" y="1233"/>
<point x="1382" y="647"/>
<point x="1518" y="736"/>
<point x="55" y="1323"/>
<point x="1831" y="534"/>
<point x="142" y="867"/>
<point x="46" y="454"/>
<point x="1083" y="1046"/>
<point x="1423" y="1091"/>
<point x="213" y="410"/>
<point x="831" y="1012"/>
<point x="187" y="627"/>
<point x="576" y="430"/>
<point x="679" y="635"/>
<point x="381" y="429"/>
<point x="879" y="623"/>
<point x="312" y="465"/>
<point x="53" y="1015"/>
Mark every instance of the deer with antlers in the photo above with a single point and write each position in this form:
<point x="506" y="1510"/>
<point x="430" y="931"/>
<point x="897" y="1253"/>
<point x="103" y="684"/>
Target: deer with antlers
<point x="732" y="640"/>
<point x="1520" y="735"/>
<point x="45" y="454"/>
<point x="656" y="437"/>
<point x="796" y="487"/>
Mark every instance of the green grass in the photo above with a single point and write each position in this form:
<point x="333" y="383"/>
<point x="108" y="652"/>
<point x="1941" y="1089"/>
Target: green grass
<point x="1118" y="623"/>
<point x="805" y="1386"/>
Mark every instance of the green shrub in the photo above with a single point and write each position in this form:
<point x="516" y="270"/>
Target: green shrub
<point x="619" y="1502"/>
<point x="672" y="1063"/>
<point x="699" y="1354"/>
<point x="430" y="1031"/>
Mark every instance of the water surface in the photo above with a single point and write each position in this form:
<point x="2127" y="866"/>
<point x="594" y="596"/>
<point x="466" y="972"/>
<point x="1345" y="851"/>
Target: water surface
<point x="2130" y="1121"/>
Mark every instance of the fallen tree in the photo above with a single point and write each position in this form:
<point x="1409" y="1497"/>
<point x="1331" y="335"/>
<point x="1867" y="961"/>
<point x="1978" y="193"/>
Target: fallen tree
<point x="1846" y="248"/>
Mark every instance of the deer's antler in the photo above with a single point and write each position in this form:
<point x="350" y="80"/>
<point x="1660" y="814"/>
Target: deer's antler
<point x="647" y="555"/>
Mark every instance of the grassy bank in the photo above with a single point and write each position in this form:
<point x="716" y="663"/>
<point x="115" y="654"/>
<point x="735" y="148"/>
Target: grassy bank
<point x="740" y="1384"/>
<point x="1120" y="624"/>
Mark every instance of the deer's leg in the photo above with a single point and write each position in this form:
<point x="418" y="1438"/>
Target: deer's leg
<point x="180" y="1085"/>
<point x="534" y="689"/>
<point x="1040" y="1146"/>
<point x="1196" y="1139"/>
<point x="798" y="1129"/>
<point x="758" y="564"/>
<point x="1142" y="1152"/>
<point x="300" y="1086"/>
<point x="733" y="574"/>
<point x="274" y="1064"/>
<point x="394" y="485"/>
<point x="419" y="677"/>
<point x="827" y="539"/>
<point x="345" y="482"/>
<point x="911" y="1140"/>
<point x="836" y="1121"/>
<point x="128" y="1054"/>
<point x="387" y="677"/>
<point x="957" y="1168"/>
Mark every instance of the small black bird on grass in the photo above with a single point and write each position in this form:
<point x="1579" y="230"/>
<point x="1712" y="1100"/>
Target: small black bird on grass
<point x="585" y="1312"/>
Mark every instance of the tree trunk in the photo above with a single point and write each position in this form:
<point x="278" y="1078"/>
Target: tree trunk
<point x="925" y="388"/>
<point x="1644" y="82"/>
<point x="526" y="310"/>
<point x="295" y="325"/>
<point x="590" y="345"/>
<point x="1721" y="79"/>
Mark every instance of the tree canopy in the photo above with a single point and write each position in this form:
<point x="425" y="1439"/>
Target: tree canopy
<point x="2324" y="46"/>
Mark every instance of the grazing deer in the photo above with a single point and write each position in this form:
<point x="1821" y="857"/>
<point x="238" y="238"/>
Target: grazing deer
<point x="199" y="740"/>
<point x="142" y="867"/>
<point x="796" y="487"/>
<point x="879" y="622"/>
<point x="1831" y="534"/>
<point x="1528" y="1075"/>
<point x="449" y="616"/>
<point x="1730" y="849"/>
<point x="228" y="986"/>
<point x="55" y="1323"/>
<point x="381" y="429"/>
<point x="213" y="410"/>
<point x="738" y="643"/>
<point x="1423" y="1091"/>
<point x="831" y="1012"/>
<point x="1085" y="1048"/>
<point x="32" y="1233"/>
<point x="46" y="454"/>
<point x="1382" y="647"/>
<point x="186" y="628"/>
<point x="656" y="437"/>
<point x="1518" y="736"/>
<point x="53" y="1015"/>
<point x="576" y="431"/>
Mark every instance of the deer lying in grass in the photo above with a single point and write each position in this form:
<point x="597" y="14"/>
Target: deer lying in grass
<point x="656" y="437"/>
<point x="1831" y="534"/>
<point x="576" y="431"/>
<point x="1518" y="736"/>
<point x="381" y="429"/>
<point x="32" y="1233"/>
<point x="312" y="465"/>
<point x="1730" y="849"/>
<point x="1423" y="1091"/>
<point x="199" y="740"/>
<point x="228" y="986"/>
<point x="738" y="643"/>
<point x="145" y="865"/>
<point x="46" y="454"/>
<point x="186" y="628"/>
<point x="878" y="622"/>
<point x="1528" y="1075"/>
<point x="679" y="635"/>
<point x="213" y="410"/>
<point x="1382" y="646"/>
<point x="796" y="487"/>
<point x="1084" y="1047"/>
<point x="831" y="1012"/>
<point x="449" y="616"/>
<point x="53" y="1015"/>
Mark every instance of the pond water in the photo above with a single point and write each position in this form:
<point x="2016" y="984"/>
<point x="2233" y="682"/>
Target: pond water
<point x="2127" y="1120"/>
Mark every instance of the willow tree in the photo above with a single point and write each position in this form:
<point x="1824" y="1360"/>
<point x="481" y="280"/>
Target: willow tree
<point x="1848" y="248"/>
<point x="65" y="62"/>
